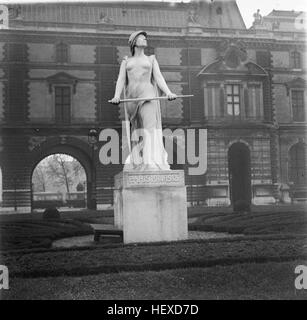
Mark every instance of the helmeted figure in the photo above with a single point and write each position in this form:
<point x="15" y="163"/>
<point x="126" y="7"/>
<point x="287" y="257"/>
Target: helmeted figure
<point x="140" y="77"/>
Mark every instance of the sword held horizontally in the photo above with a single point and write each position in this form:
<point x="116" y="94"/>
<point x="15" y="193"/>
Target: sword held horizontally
<point x="153" y="98"/>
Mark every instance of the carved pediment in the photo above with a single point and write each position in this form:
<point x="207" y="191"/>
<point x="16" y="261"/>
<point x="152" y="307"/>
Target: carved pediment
<point x="62" y="78"/>
<point x="229" y="49"/>
<point x="220" y="67"/>
<point x="232" y="60"/>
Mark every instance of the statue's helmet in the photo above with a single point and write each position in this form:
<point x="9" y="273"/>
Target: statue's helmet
<point x="133" y="38"/>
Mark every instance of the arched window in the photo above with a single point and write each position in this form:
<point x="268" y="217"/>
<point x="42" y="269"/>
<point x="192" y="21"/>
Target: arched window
<point x="297" y="164"/>
<point x="296" y="60"/>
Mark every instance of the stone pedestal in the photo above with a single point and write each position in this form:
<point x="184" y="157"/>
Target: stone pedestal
<point x="151" y="206"/>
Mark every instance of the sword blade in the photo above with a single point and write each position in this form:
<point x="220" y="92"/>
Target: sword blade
<point x="153" y="98"/>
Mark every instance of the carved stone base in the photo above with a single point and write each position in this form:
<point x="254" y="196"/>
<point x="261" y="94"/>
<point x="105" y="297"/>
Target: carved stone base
<point x="151" y="206"/>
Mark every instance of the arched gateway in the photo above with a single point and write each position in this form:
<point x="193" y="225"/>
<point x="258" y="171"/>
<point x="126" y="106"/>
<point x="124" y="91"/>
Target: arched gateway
<point x="76" y="149"/>
<point x="239" y="173"/>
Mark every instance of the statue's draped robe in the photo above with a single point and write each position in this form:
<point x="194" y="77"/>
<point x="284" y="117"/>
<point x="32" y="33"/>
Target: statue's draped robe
<point x="147" y="149"/>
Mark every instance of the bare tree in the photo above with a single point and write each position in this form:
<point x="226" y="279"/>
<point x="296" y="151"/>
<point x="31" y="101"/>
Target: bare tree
<point x="40" y="178"/>
<point x="77" y="167"/>
<point x="59" y="170"/>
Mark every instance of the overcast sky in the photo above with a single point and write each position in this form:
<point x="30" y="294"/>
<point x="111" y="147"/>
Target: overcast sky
<point x="247" y="7"/>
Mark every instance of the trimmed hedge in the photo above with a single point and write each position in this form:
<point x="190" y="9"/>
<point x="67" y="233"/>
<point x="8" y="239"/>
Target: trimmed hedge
<point x="39" y="233"/>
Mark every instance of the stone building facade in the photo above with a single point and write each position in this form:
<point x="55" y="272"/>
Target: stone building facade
<point x="58" y="68"/>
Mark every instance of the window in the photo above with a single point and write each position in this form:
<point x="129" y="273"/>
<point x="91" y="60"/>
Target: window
<point x="297" y="165"/>
<point x="215" y="101"/>
<point x="62" y="104"/>
<point x="253" y="101"/>
<point x="296" y="60"/>
<point x="217" y="160"/>
<point x="261" y="160"/>
<point x="297" y="98"/>
<point x="233" y="99"/>
<point x="62" y="52"/>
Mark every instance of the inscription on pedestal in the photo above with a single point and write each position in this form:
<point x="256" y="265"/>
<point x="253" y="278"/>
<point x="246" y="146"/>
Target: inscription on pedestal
<point x="153" y="179"/>
<point x="148" y="179"/>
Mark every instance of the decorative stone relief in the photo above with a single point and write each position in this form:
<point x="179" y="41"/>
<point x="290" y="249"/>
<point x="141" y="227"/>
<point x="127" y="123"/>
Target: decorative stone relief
<point x="35" y="141"/>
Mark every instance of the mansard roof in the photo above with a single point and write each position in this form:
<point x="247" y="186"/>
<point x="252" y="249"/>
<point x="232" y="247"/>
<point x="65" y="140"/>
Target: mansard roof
<point x="217" y="14"/>
<point x="284" y="13"/>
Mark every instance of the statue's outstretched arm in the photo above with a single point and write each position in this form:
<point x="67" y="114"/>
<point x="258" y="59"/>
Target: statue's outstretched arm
<point x="120" y="83"/>
<point x="158" y="77"/>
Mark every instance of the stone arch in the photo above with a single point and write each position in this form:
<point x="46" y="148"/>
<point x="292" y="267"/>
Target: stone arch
<point x="75" y="148"/>
<point x="239" y="170"/>
<point x="236" y="141"/>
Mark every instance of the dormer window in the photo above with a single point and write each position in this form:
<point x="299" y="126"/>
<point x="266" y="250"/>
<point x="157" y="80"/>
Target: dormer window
<point x="61" y="52"/>
<point x="233" y="87"/>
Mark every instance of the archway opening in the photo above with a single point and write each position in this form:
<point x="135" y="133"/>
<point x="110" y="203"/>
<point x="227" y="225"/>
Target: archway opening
<point x="59" y="180"/>
<point x="239" y="174"/>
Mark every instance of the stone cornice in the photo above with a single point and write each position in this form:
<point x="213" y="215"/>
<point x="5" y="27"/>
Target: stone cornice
<point x="119" y="37"/>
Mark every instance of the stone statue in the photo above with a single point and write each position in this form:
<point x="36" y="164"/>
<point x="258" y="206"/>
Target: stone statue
<point x="140" y="77"/>
<point x="192" y="17"/>
<point x="258" y="20"/>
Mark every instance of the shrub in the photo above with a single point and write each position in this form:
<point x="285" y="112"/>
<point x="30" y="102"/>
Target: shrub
<point x="241" y="206"/>
<point x="51" y="213"/>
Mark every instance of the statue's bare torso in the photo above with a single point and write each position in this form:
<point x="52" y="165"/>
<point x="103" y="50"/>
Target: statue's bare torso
<point x="139" y="73"/>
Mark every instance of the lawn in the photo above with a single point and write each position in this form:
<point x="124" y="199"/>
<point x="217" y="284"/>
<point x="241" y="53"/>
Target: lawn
<point x="287" y="223"/>
<point x="243" y="281"/>
<point x="31" y="231"/>
<point x="118" y="258"/>
<point x="258" y="265"/>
